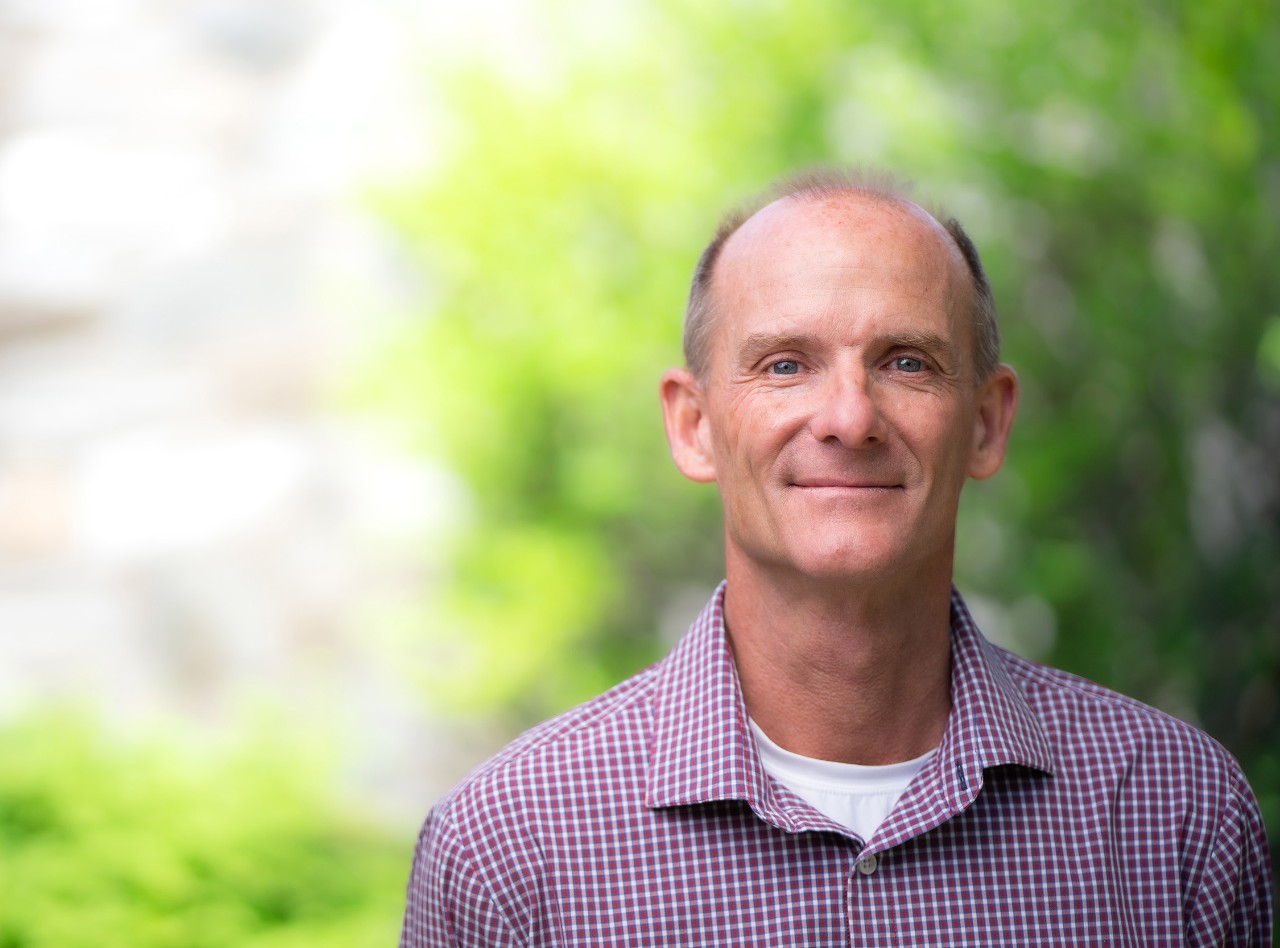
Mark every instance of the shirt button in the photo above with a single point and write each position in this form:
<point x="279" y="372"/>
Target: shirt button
<point x="868" y="865"/>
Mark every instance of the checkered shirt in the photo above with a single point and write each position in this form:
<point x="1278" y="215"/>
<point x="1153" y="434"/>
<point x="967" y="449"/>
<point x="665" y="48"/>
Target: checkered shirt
<point x="1054" y="813"/>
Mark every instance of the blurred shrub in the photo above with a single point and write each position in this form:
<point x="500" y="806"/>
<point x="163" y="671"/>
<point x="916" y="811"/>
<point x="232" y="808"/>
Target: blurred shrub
<point x="104" y="845"/>
<point x="1119" y="166"/>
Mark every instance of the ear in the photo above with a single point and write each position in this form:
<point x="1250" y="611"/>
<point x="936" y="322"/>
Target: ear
<point x="997" y="403"/>
<point x="688" y="434"/>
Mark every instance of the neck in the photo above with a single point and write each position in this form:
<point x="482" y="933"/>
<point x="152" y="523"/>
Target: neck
<point x="857" y="672"/>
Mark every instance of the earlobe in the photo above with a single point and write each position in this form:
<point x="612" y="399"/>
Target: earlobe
<point x="684" y="416"/>
<point x="997" y="404"/>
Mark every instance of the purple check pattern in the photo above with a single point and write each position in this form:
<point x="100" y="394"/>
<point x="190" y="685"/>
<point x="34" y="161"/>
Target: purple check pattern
<point x="1055" y="813"/>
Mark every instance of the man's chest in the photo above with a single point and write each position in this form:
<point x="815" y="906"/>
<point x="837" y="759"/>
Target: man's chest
<point x="996" y="874"/>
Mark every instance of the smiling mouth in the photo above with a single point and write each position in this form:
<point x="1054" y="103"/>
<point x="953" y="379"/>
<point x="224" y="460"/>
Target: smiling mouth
<point x="842" y="485"/>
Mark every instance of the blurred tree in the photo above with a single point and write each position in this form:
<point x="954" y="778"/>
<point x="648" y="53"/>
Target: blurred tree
<point x="1116" y="163"/>
<point x="104" y="845"/>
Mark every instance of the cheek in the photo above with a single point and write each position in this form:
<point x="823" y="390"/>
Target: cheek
<point x="931" y="426"/>
<point x="730" y="422"/>
<point x="947" y="442"/>
<point x="755" y="429"/>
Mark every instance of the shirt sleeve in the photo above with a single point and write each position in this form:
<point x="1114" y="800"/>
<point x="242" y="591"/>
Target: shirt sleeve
<point x="1232" y="904"/>
<point x="450" y="902"/>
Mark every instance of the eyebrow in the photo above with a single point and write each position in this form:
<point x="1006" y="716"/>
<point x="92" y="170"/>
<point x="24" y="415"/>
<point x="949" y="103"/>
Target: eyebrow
<point x="930" y="342"/>
<point x="757" y="344"/>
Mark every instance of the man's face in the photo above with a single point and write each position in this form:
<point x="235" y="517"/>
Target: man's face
<point x="839" y="415"/>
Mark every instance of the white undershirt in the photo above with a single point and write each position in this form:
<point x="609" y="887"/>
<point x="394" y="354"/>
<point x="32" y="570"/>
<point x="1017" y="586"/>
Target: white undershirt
<point x="856" y="796"/>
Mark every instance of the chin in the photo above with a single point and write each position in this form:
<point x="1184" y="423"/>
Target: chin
<point x="841" y="552"/>
<point x="848" y="569"/>
<point x="841" y="561"/>
<point x="873" y="556"/>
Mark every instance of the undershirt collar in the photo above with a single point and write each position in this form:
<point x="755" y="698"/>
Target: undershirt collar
<point x="856" y="796"/>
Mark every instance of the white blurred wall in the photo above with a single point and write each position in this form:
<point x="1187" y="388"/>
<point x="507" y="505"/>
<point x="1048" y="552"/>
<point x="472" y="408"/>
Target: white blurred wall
<point x="189" y="533"/>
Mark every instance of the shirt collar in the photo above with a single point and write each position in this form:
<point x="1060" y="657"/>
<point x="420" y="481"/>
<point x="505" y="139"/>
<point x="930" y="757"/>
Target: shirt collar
<point x="703" y="749"/>
<point x="702" y="746"/>
<point x="992" y="722"/>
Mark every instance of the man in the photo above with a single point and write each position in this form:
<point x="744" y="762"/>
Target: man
<point x="833" y="754"/>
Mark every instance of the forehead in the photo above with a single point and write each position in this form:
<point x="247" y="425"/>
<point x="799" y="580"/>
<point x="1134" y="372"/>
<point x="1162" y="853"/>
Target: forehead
<point x="807" y="256"/>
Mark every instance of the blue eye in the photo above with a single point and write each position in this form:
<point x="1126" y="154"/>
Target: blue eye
<point x="785" y="367"/>
<point x="908" y="364"/>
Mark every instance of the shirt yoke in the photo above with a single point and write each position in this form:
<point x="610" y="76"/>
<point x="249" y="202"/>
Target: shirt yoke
<point x="579" y="734"/>
<point x="1073" y="709"/>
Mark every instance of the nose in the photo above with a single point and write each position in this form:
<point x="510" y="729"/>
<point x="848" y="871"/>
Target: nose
<point x="847" y="411"/>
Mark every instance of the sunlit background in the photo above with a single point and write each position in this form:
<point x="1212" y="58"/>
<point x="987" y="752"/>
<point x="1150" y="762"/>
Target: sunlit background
<point x="329" y="445"/>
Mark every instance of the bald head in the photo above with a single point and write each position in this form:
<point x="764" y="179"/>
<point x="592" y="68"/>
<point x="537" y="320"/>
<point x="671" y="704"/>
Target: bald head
<point x="834" y="191"/>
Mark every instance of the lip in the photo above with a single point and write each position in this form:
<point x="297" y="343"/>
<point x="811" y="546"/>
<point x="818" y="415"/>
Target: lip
<point x="827" y="483"/>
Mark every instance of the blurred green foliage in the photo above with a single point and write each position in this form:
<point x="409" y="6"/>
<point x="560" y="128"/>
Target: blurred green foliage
<point x="104" y="845"/>
<point x="1116" y="163"/>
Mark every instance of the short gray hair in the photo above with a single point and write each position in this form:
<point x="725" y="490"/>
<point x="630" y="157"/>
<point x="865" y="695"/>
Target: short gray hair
<point x="699" y="316"/>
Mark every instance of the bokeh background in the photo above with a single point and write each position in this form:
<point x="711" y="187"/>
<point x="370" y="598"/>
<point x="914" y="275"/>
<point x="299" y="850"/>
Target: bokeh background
<point x="329" y="445"/>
